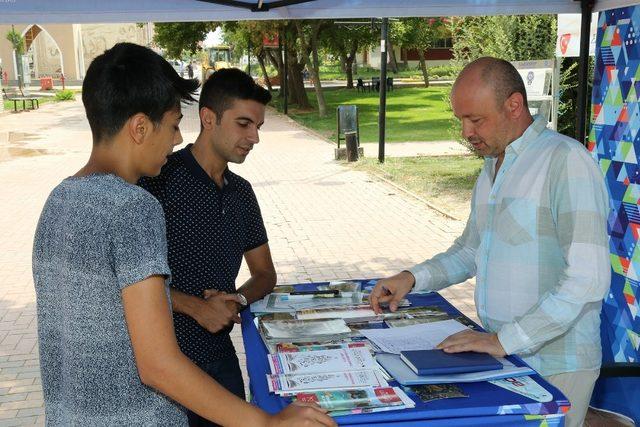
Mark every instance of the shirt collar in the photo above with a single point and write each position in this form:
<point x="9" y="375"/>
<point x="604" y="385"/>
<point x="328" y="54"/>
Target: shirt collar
<point x="531" y="133"/>
<point x="192" y="164"/>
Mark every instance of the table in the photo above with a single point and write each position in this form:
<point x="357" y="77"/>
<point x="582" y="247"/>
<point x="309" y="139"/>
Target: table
<point x="487" y="404"/>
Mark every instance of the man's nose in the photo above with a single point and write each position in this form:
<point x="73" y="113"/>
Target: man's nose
<point x="467" y="130"/>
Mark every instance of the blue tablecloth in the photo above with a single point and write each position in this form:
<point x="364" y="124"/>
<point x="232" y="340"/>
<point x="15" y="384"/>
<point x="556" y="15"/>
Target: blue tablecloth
<point x="487" y="404"/>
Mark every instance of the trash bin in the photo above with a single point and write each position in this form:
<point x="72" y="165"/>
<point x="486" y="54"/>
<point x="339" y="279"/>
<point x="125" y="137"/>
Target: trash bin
<point x="46" y="83"/>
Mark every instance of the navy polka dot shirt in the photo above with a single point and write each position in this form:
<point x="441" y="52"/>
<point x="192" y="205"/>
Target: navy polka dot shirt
<point x="208" y="231"/>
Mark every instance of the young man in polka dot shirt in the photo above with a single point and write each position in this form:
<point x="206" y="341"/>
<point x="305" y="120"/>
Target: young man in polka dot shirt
<point x="213" y="221"/>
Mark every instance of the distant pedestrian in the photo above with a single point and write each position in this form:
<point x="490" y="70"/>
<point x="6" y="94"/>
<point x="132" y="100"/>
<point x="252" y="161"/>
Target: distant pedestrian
<point x="190" y="70"/>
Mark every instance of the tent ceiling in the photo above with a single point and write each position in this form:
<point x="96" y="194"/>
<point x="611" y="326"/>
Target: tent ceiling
<point x="74" y="11"/>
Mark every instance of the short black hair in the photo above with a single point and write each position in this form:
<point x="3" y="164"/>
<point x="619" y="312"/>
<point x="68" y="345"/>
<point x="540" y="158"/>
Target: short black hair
<point x="225" y="86"/>
<point x="129" y="79"/>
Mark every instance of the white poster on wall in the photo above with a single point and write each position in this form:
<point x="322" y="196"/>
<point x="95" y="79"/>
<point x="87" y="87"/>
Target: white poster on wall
<point x="568" y="37"/>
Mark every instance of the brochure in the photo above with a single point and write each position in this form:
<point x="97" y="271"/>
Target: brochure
<point x="364" y="312"/>
<point x="289" y="329"/>
<point x="357" y="399"/>
<point x="287" y="383"/>
<point x="312" y="362"/>
<point x="285" y="347"/>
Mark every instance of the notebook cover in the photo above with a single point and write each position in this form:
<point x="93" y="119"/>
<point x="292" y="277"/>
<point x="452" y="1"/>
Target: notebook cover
<point x="436" y="362"/>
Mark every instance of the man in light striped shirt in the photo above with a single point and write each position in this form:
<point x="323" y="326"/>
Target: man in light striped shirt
<point x="536" y="239"/>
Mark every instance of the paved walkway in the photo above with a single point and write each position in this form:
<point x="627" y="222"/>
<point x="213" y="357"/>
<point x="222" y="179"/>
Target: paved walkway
<point x="325" y="221"/>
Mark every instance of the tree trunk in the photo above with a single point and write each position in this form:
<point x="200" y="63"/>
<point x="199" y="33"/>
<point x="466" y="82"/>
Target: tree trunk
<point x="276" y="60"/>
<point x="350" y="61"/>
<point x="343" y="62"/>
<point x="260" y="58"/>
<point x="314" y="65"/>
<point x="350" y="73"/>
<point x="423" y="67"/>
<point x="392" y="57"/>
<point x="298" y="94"/>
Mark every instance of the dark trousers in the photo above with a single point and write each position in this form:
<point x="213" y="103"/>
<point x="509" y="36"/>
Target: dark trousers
<point x="228" y="374"/>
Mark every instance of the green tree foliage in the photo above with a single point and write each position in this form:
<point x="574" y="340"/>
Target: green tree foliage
<point x="16" y="40"/>
<point x="344" y="41"/>
<point x="176" y="38"/>
<point x="420" y="34"/>
<point x="514" y="38"/>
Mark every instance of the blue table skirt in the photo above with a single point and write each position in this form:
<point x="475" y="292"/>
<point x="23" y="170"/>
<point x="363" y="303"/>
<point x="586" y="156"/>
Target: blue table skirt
<point x="486" y="405"/>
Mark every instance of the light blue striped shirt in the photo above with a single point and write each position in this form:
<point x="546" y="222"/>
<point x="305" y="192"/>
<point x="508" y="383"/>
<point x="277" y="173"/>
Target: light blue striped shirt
<point x="536" y="240"/>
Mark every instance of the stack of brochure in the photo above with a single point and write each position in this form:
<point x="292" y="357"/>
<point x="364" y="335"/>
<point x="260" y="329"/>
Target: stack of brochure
<point x="358" y="401"/>
<point x="320" y="370"/>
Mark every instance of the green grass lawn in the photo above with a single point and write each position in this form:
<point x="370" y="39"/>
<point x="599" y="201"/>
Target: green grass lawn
<point x="334" y="72"/>
<point x="413" y="113"/>
<point x="445" y="181"/>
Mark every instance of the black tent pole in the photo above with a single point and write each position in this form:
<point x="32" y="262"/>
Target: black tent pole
<point x="283" y="82"/>
<point x="383" y="88"/>
<point x="583" y="70"/>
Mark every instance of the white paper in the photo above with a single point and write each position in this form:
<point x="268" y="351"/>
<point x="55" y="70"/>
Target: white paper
<point x="313" y="362"/>
<point x="424" y="336"/>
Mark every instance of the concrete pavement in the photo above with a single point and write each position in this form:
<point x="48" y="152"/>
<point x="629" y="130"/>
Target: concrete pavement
<point x="325" y="221"/>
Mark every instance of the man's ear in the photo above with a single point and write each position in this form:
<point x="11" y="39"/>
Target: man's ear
<point x="515" y="105"/>
<point x="139" y="127"/>
<point x="208" y="118"/>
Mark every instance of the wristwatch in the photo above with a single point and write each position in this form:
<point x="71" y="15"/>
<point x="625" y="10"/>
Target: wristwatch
<point x="243" y="300"/>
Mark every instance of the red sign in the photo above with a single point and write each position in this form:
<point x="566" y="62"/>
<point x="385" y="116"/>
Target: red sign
<point x="270" y="40"/>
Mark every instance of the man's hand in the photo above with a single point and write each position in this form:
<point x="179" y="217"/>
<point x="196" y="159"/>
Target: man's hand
<point x="217" y="310"/>
<point x="301" y="414"/>
<point x="391" y="290"/>
<point x="480" y="342"/>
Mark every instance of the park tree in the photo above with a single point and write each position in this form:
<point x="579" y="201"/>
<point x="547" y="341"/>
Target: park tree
<point x="308" y="39"/>
<point x="344" y="41"/>
<point x="17" y="43"/>
<point x="420" y="34"/>
<point x="176" y="38"/>
<point x="513" y="38"/>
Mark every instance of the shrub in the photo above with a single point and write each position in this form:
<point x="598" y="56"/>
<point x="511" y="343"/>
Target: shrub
<point x="65" y="95"/>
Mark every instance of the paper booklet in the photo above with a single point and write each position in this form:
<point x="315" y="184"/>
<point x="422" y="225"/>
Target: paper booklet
<point x="356" y="400"/>
<point x="314" y="362"/>
<point x="297" y="329"/>
<point x="293" y="383"/>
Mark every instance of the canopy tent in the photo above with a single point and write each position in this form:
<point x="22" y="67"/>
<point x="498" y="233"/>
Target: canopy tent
<point x="74" y="11"/>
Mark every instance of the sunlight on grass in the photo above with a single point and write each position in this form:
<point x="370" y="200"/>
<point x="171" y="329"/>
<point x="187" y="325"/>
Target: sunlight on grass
<point x="413" y="114"/>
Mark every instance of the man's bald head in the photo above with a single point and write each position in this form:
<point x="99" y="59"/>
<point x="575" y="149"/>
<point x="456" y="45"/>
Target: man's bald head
<point x="500" y="75"/>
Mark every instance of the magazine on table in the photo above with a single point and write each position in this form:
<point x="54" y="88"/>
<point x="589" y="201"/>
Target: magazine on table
<point x="312" y="362"/>
<point x="356" y="400"/>
<point x="292" y="383"/>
